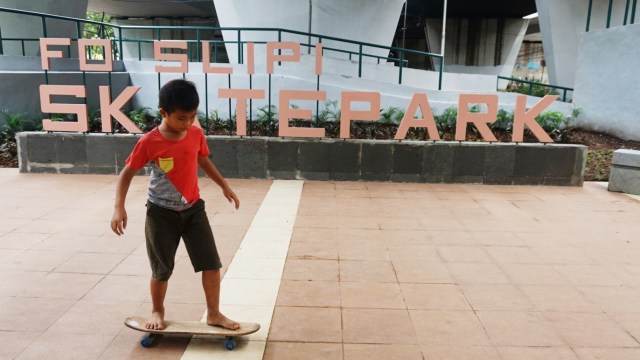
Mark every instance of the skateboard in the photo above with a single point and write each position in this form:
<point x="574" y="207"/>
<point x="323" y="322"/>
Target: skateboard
<point x="189" y="328"/>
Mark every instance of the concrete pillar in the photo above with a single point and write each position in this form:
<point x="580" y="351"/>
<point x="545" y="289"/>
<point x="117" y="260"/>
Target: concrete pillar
<point x="371" y="21"/>
<point x="24" y="26"/>
<point x="561" y="23"/>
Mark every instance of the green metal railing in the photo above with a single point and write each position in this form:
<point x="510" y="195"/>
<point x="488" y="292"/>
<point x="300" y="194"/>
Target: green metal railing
<point x="630" y="9"/>
<point x="552" y="89"/>
<point x="364" y="50"/>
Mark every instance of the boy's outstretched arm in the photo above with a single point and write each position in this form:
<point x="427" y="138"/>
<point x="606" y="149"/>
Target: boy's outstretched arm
<point x="119" y="219"/>
<point x="214" y="174"/>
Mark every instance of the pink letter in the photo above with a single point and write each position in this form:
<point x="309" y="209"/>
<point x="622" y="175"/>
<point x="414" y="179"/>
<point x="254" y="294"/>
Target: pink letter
<point x="206" y="62"/>
<point x="241" y="96"/>
<point x="287" y="113"/>
<point x="480" y="120"/>
<point x="160" y="56"/>
<point x="82" y="54"/>
<point x="271" y="57"/>
<point x="109" y="109"/>
<point x="46" y="54"/>
<point x="522" y="117"/>
<point x="419" y="100"/>
<point x="251" y="67"/>
<point x="80" y="110"/>
<point x="373" y="114"/>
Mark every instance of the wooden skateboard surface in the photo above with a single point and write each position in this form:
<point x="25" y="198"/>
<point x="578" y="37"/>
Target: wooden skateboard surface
<point x="190" y="327"/>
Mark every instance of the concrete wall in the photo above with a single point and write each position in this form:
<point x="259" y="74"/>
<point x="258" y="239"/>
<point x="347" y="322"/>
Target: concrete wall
<point x="325" y="159"/>
<point x="23" y="26"/>
<point x="336" y="18"/>
<point x="562" y="22"/>
<point x="21" y="78"/>
<point x="607" y="76"/>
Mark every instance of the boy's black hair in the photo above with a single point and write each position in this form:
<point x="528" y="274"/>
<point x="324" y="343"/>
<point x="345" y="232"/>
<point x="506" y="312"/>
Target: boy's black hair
<point x="178" y="94"/>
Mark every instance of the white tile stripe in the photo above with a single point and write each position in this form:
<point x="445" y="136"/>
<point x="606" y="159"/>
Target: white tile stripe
<point x="250" y="285"/>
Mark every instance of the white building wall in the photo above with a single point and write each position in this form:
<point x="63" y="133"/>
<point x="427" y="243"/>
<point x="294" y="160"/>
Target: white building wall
<point x="562" y="22"/>
<point x="23" y="26"/>
<point x="371" y="21"/>
<point x="606" y="86"/>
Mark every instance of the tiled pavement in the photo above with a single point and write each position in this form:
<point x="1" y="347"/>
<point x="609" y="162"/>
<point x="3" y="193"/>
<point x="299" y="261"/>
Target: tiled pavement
<point x="373" y="271"/>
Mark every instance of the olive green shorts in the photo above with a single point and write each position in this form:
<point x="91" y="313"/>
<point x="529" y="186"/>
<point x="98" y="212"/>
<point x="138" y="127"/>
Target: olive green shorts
<point x="163" y="230"/>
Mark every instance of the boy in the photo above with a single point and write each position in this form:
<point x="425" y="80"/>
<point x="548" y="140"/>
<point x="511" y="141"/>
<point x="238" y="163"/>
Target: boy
<point x="174" y="150"/>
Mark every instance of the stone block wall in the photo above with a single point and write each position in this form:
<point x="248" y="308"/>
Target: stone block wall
<point x="326" y="159"/>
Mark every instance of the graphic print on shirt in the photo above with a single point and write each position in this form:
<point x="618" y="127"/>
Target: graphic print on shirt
<point x="166" y="164"/>
<point x="162" y="192"/>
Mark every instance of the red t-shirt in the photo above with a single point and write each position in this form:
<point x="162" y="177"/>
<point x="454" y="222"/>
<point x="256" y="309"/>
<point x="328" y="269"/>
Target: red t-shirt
<point x="174" y="166"/>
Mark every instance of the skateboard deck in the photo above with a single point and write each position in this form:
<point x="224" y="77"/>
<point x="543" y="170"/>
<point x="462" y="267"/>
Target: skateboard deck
<point x="188" y="328"/>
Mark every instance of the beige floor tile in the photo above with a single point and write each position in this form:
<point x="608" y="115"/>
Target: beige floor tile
<point x="434" y="297"/>
<point x="422" y="272"/>
<point x="119" y="288"/>
<point x="83" y="318"/>
<point x="464" y="254"/>
<point x="514" y="255"/>
<point x="21" y="241"/>
<point x="91" y="263"/>
<point x="38" y="260"/>
<point x="607" y="353"/>
<point x="371" y="295"/>
<point x="313" y="250"/>
<point x="377" y="326"/>
<point x="52" y="345"/>
<point x="13" y="343"/>
<point x="496" y="297"/>
<point x="294" y="351"/>
<point x="363" y="250"/>
<point x="388" y="352"/>
<point x="127" y="346"/>
<point x="316" y="270"/>
<point x="112" y="244"/>
<point x="476" y="273"/>
<point x="537" y="353"/>
<point x="329" y="221"/>
<point x="630" y="322"/>
<point x="564" y="256"/>
<point x="367" y="271"/>
<point x="558" y="298"/>
<point x="13" y="282"/>
<point x="587" y="275"/>
<point x="249" y="292"/>
<point x="401" y="238"/>
<point x="455" y="352"/>
<point x="133" y="265"/>
<point x="447" y="327"/>
<point x="533" y="274"/>
<point x="424" y="253"/>
<point x="306" y="324"/>
<point x="511" y="328"/>
<point x="255" y="268"/>
<point x="497" y="238"/>
<point x="612" y="298"/>
<point x="309" y="293"/>
<point x="451" y="236"/>
<point x="590" y="330"/>
<point x="32" y="314"/>
<point x="314" y="234"/>
<point x="62" y="286"/>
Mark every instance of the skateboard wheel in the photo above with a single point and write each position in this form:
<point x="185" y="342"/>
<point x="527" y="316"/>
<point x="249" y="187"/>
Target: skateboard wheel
<point x="149" y="340"/>
<point x="230" y="344"/>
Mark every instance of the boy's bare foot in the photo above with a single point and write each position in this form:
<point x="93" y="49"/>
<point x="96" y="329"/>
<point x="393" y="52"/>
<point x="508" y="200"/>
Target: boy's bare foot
<point x="221" y="320"/>
<point x="156" y="322"/>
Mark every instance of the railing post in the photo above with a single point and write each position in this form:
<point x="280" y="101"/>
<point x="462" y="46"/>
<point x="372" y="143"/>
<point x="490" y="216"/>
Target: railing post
<point x="44" y="26"/>
<point x="360" y="61"/>
<point x="589" y="15"/>
<point x="633" y="12"/>
<point x="609" y="13"/>
<point x="401" y="63"/>
<point x="564" y="95"/>
<point x="198" y="46"/>
<point x="1" y="48"/>
<point x="120" y="48"/>
<point x="441" y="70"/>
<point x="626" y="12"/>
<point x="530" y="88"/>
<point x="239" y="49"/>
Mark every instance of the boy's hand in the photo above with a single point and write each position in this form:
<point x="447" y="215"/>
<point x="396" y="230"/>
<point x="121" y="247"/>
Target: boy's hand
<point x="230" y="195"/>
<point x="119" y="221"/>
